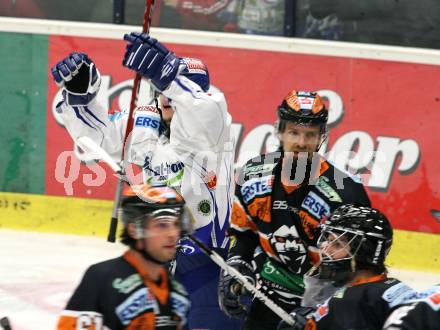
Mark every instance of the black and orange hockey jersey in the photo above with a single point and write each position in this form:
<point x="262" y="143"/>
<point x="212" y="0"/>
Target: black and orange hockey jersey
<point x="364" y="305"/>
<point x="282" y="220"/>
<point x="114" y="294"/>
<point x="422" y="311"/>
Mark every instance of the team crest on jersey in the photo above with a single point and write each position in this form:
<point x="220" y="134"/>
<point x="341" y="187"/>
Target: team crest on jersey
<point x="210" y="180"/>
<point x="204" y="207"/>
<point x="287" y="243"/>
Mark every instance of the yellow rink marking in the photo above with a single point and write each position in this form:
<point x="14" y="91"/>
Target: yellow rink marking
<point x="91" y="217"/>
<point x="68" y="215"/>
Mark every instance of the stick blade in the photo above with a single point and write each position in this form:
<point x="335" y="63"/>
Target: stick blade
<point x="88" y="145"/>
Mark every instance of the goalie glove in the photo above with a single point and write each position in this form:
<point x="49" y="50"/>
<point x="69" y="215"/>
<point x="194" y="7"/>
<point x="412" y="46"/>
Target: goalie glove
<point x="230" y="291"/>
<point x="79" y="78"/>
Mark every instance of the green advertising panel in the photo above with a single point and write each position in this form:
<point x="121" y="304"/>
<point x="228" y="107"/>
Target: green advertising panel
<point x="23" y="93"/>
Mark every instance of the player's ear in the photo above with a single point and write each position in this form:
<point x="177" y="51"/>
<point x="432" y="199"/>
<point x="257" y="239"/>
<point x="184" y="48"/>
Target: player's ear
<point x="131" y="230"/>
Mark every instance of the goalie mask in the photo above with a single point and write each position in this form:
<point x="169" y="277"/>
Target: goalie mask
<point x="354" y="238"/>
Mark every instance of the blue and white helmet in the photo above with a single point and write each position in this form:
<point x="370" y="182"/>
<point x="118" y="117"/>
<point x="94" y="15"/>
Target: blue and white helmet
<point x="196" y="71"/>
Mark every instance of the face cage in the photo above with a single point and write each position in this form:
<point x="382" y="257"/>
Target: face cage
<point x="339" y="239"/>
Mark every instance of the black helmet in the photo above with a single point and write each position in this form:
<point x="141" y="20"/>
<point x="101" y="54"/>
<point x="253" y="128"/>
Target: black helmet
<point x="142" y="202"/>
<point x="366" y="233"/>
<point x="304" y="108"/>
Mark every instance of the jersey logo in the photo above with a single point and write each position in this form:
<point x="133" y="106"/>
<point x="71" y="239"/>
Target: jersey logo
<point x="204" y="207"/>
<point x="288" y="245"/>
<point x="434" y="301"/>
<point x="138" y="302"/>
<point x="280" y="205"/>
<point x="167" y="68"/>
<point x="187" y="249"/>
<point x="256" y="187"/>
<point x="250" y="170"/>
<point x="180" y="305"/>
<point x="128" y="284"/>
<point x="321" y="312"/>
<point x="142" y="121"/>
<point x="323" y="186"/>
<point x="316" y="205"/>
<point x="397" y="294"/>
<point x="210" y="179"/>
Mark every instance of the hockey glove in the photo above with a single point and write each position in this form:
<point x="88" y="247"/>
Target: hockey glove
<point x="300" y="315"/>
<point x="151" y="59"/>
<point x="230" y="291"/>
<point x="79" y="78"/>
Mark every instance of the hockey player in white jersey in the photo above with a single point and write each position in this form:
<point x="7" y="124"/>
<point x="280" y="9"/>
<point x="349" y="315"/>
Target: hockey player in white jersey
<point x="184" y="140"/>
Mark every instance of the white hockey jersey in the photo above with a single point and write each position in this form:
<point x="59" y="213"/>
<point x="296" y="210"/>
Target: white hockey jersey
<point x="197" y="160"/>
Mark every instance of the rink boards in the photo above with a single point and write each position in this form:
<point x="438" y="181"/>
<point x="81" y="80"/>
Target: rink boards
<point x="89" y="217"/>
<point x="382" y="100"/>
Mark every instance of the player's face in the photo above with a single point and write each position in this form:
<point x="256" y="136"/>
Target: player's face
<point x="161" y="236"/>
<point x="167" y="110"/>
<point x="299" y="138"/>
<point x="335" y="246"/>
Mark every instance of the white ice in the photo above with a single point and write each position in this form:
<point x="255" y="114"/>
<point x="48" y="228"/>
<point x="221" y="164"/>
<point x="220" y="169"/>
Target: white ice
<point x="38" y="273"/>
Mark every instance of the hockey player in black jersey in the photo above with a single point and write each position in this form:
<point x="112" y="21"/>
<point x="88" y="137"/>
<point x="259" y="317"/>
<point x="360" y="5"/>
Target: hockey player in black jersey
<point x="281" y="198"/>
<point x="353" y="245"/>
<point x="421" y="312"/>
<point x="134" y="291"/>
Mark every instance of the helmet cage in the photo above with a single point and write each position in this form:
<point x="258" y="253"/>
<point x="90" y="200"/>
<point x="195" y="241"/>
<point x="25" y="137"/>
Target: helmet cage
<point x="349" y="240"/>
<point x="344" y="238"/>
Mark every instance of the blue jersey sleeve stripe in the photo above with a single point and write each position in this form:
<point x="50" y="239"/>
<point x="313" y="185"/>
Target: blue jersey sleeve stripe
<point x="93" y="115"/>
<point x="80" y="117"/>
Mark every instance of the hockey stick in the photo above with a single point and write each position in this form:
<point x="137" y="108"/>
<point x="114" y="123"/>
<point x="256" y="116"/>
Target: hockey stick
<point x="149" y="5"/>
<point x="87" y="144"/>
<point x="214" y="256"/>
<point x="90" y="146"/>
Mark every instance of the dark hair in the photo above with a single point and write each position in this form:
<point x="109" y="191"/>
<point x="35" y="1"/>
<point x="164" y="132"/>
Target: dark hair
<point x="126" y="239"/>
